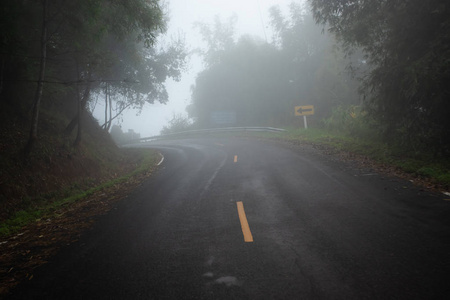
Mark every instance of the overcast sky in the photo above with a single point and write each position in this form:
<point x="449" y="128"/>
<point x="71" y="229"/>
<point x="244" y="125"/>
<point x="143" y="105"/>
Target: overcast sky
<point x="183" y="14"/>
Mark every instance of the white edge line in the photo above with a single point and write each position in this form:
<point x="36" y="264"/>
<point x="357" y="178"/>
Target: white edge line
<point x="162" y="159"/>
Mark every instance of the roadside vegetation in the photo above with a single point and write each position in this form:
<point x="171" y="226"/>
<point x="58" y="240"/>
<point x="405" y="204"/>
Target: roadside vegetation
<point x="56" y="174"/>
<point x="351" y="129"/>
<point x="48" y="205"/>
<point x="422" y="165"/>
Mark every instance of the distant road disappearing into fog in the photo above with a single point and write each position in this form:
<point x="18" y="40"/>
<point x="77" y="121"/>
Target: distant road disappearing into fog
<point x="235" y="218"/>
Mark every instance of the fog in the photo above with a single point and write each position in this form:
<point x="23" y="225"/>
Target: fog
<point x="253" y="19"/>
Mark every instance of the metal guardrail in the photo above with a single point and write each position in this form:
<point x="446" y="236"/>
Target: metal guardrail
<point x="212" y="130"/>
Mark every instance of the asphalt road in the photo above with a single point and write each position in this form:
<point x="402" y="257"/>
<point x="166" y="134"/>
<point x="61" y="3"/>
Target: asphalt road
<point x="308" y="227"/>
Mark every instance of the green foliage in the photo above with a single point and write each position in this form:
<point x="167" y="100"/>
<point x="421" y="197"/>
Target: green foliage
<point x="219" y="38"/>
<point x="20" y="219"/>
<point x="178" y="123"/>
<point x="90" y="42"/>
<point x="121" y="137"/>
<point x="444" y="178"/>
<point x="352" y="120"/>
<point x="406" y="47"/>
<point x="48" y="207"/>
<point x="423" y="164"/>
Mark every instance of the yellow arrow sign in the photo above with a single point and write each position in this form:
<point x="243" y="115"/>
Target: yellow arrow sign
<point x="305" y="110"/>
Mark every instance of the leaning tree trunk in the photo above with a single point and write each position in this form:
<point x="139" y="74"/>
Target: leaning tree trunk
<point x="106" y="107"/>
<point x="110" y="115"/>
<point x="2" y="73"/>
<point x="117" y="115"/>
<point x="79" y="108"/>
<point x="74" y="122"/>
<point x="40" y="84"/>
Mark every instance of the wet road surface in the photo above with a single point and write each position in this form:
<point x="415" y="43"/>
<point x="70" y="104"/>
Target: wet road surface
<point x="235" y="218"/>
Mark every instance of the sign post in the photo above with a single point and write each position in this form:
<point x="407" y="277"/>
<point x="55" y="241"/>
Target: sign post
<point x="304" y="111"/>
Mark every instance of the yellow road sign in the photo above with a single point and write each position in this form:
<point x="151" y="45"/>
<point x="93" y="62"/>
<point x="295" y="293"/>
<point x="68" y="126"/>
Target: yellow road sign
<point x="305" y="110"/>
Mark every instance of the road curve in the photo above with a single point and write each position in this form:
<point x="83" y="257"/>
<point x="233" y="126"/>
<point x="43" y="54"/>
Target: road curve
<point x="320" y="228"/>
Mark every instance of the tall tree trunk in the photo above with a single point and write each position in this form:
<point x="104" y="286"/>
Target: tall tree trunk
<point x="79" y="108"/>
<point x="2" y="73"/>
<point x="74" y="122"/>
<point x="40" y="85"/>
<point x="106" y="106"/>
<point x="110" y="115"/>
<point x="117" y="114"/>
<point x="108" y="110"/>
<point x="69" y="128"/>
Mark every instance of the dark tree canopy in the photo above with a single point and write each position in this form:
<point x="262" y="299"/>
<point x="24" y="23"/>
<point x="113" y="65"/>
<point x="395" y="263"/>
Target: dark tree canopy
<point x="406" y="43"/>
<point x="87" y="47"/>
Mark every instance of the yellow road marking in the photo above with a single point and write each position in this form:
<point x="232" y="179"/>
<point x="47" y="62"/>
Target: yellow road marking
<point x="235" y="158"/>
<point x="244" y="224"/>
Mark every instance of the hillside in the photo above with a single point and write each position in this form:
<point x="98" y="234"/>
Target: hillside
<point x="55" y="169"/>
<point x="48" y="199"/>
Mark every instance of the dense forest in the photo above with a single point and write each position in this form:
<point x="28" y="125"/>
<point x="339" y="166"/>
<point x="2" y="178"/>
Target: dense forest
<point x="262" y="82"/>
<point x="60" y="56"/>
<point x="369" y="67"/>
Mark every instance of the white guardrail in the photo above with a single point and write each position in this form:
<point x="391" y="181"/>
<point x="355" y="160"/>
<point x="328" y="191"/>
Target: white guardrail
<point x="212" y="130"/>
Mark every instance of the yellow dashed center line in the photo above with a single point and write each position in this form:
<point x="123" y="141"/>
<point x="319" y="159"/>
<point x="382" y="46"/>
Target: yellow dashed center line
<point x="244" y="224"/>
<point x="235" y="158"/>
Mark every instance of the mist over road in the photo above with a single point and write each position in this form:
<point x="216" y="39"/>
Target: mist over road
<point x="319" y="228"/>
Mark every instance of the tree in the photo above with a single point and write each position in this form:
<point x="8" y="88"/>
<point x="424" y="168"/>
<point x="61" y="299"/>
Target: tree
<point x="84" y="45"/>
<point x="219" y="38"/>
<point x="406" y="47"/>
<point x="262" y="83"/>
<point x="121" y="137"/>
<point x="40" y="82"/>
<point x="178" y="123"/>
<point x="121" y="55"/>
<point x="244" y="82"/>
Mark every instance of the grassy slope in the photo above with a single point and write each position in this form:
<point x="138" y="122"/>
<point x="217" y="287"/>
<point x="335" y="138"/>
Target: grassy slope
<point x="434" y="171"/>
<point x="57" y="173"/>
